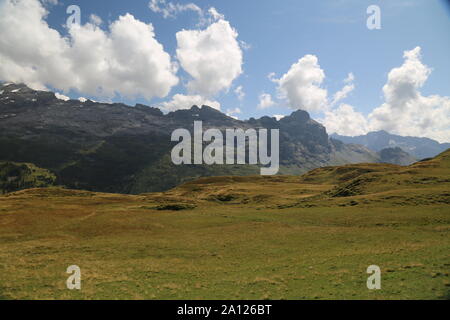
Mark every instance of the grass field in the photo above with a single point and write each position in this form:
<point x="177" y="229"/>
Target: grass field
<point x="281" y="237"/>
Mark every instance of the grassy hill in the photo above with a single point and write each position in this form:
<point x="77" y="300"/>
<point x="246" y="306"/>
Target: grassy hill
<point x="16" y="176"/>
<point x="254" y="237"/>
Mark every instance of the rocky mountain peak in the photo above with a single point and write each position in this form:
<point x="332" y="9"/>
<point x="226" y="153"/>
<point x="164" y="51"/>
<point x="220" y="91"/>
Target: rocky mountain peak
<point x="298" y="116"/>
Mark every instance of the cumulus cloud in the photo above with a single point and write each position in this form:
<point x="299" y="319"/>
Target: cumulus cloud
<point x="265" y="101"/>
<point x="404" y="82"/>
<point x="212" y="57"/>
<point x="181" y="101"/>
<point x="345" y="121"/>
<point x="125" y="60"/>
<point x="405" y="110"/>
<point x="301" y="85"/>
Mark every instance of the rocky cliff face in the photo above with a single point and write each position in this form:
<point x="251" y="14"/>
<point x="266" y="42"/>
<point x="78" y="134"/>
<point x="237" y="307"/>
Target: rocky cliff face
<point x="118" y="148"/>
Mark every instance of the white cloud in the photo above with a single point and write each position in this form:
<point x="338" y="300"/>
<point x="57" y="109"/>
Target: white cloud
<point x="61" y="96"/>
<point x="405" y="110"/>
<point x="404" y="82"/>
<point x="240" y="94"/>
<point x="265" y="101"/>
<point x="272" y="77"/>
<point x="245" y="45"/>
<point x="232" y="113"/>
<point x="126" y="60"/>
<point x="170" y="9"/>
<point x="212" y="57"/>
<point x="345" y="120"/>
<point x="301" y="85"/>
<point x="82" y="99"/>
<point x="350" y="78"/>
<point x="215" y="14"/>
<point x="343" y="93"/>
<point x="95" y="19"/>
<point x="278" y="116"/>
<point x="181" y="101"/>
<point x="49" y="2"/>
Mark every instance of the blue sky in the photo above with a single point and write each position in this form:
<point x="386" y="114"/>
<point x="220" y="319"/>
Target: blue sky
<point x="279" y="33"/>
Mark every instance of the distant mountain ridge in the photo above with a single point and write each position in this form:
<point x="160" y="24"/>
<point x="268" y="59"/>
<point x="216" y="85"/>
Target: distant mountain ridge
<point x="118" y="148"/>
<point x="396" y="156"/>
<point x="419" y="148"/>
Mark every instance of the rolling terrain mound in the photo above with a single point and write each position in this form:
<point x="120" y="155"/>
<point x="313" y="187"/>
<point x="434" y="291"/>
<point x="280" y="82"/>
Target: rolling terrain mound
<point x="355" y="180"/>
<point x="253" y="237"/>
<point x="427" y="176"/>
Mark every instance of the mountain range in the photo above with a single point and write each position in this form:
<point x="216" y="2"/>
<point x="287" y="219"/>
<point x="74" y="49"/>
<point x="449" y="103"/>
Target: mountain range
<point x="112" y="147"/>
<point x="419" y="148"/>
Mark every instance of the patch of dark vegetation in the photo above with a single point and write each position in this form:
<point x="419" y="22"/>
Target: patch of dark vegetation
<point x="343" y="192"/>
<point x="353" y="188"/>
<point x="296" y="205"/>
<point x="347" y="174"/>
<point x="175" y="207"/>
<point x="429" y="180"/>
<point x="351" y="203"/>
<point x="226" y="197"/>
<point x="432" y="199"/>
<point x="261" y="198"/>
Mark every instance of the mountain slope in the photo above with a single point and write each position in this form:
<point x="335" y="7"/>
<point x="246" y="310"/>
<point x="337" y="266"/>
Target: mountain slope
<point x="419" y="148"/>
<point x="396" y="156"/>
<point x="117" y="148"/>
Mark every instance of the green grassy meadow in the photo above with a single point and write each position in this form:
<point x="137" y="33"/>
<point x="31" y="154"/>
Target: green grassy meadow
<point x="278" y="237"/>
